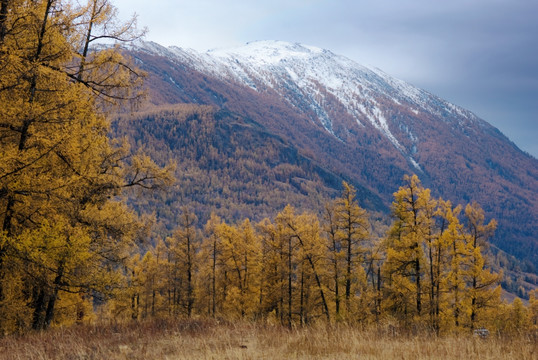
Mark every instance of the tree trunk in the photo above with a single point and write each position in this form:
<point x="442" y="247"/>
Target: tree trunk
<point x="37" y="323"/>
<point x="417" y="282"/>
<point x="3" y="18"/>
<point x="289" y="281"/>
<point x="214" y="280"/>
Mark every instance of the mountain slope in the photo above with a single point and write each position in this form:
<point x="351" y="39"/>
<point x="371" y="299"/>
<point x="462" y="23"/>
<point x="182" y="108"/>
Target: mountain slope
<point x="359" y="124"/>
<point x="226" y="165"/>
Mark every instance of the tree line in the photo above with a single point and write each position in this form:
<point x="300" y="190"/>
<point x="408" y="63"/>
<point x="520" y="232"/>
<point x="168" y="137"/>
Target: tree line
<point x="296" y="269"/>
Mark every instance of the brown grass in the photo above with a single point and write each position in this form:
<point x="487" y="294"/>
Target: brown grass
<point x="203" y="339"/>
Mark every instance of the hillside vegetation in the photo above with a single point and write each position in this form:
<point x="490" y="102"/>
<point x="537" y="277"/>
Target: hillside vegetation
<point x="235" y="168"/>
<point x="227" y="165"/>
<point x="294" y="244"/>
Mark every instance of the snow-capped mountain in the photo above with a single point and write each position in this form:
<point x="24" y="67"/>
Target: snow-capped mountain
<point x="312" y="77"/>
<point x="359" y="123"/>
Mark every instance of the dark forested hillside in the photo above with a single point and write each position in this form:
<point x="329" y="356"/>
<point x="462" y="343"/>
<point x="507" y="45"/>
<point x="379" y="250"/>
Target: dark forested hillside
<point x="227" y="165"/>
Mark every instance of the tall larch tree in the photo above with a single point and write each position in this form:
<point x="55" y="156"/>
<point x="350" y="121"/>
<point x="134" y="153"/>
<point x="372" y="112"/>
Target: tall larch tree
<point x="405" y="264"/>
<point x="305" y="228"/>
<point x="210" y="269"/>
<point x="184" y="247"/>
<point x="437" y="246"/>
<point x="241" y="252"/>
<point x="483" y="285"/>
<point x="272" y="286"/>
<point x="335" y="256"/>
<point x="352" y="231"/>
<point x="288" y="251"/>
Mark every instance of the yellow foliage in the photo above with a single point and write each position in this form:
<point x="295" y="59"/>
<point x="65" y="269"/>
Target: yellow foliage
<point x="62" y="232"/>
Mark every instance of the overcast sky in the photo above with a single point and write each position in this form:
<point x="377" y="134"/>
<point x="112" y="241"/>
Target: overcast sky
<point x="479" y="54"/>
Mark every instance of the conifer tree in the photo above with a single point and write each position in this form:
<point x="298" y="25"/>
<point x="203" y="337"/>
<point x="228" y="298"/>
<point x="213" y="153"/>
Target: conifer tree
<point x="288" y="253"/>
<point x="184" y="246"/>
<point x="352" y="231"/>
<point x="241" y="255"/>
<point x="335" y="254"/>
<point x="453" y="237"/>
<point x="305" y="228"/>
<point x="210" y="260"/>
<point x="272" y="286"/>
<point x="437" y="251"/>
<point x="484" y="289"/>
<point x="405" y="265"/>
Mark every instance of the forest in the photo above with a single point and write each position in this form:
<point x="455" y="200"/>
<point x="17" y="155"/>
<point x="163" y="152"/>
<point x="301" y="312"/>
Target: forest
<point x="73" y="251"/>
<point x="296" y="269"/>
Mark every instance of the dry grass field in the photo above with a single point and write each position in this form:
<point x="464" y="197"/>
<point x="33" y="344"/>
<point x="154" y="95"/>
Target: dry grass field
<point x="202" y="339"/>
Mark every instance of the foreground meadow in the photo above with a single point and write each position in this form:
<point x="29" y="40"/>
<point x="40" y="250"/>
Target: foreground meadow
<point x="212" y="340"/>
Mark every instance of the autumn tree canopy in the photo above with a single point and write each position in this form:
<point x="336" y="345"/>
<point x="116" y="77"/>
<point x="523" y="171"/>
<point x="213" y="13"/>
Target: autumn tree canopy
<point x="60" y="175"/>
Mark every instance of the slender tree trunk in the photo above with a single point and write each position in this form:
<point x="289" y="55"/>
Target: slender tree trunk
<point x="190" y="297"/>
<point x="6" y="226"/>
<point x="169" y="301"/>
<point x="348" y="272"/>
<point x="334" y="250"/>
<point x="455" y="261"/>
<point x="214" y="280"/>
<point x="37" y="322"/>
<point x="473" y="305"/>
<point x="321" y="293"/>
<point x="417" y="282"/>
<point x="301" y="306"/>
<point x="87" y="41"/>
<point x="379" y="297"/>
<point x="49" y="314"/>
<point x="336" y="288"/>
<point x="153" y="295"/>
<point x="432" y="283"/>
<point x="175" y="301"/>
<point x="4" y="5"/>
<point x="40" y="42"/>
<point x="282" y="286"/>
<point x="438" y="291"/>
<point x="289" y="281"/>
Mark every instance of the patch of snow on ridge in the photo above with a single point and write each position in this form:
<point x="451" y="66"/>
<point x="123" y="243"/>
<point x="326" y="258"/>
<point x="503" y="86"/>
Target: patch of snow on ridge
<point x="376" y="118"/>
<point x="414" y="163"/>
<point x="269" y="52"/>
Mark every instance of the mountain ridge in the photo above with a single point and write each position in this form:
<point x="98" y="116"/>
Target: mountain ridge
<point x="257" y="63"/>
<point x="361" y="124"/>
